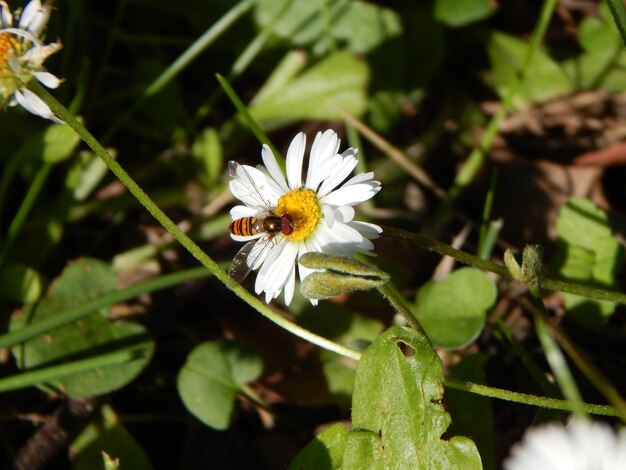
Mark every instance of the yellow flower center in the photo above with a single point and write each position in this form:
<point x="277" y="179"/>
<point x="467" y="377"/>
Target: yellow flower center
<point x="303" y="207"/>
<point x="10" y="46"/>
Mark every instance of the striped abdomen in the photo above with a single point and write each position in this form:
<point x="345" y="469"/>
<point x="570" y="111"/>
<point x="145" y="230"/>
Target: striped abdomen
<point x="272" y="224"/>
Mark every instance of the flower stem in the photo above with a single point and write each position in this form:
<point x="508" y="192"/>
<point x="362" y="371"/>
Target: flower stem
<point x="397" y="302"/>
<point x="523" y="398"/>
<point x="469" y="259"/>
<point x="178" y="234"/>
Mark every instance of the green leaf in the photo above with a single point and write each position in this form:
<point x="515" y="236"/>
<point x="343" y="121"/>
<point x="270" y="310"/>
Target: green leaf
<point x="353" y="330"/>
<point x="599" y="34"/>
<point x="324" y="452"/>
<point x="337" y="80"/>
<point x="587" y="253"/>
<point x="453" y="311"/>
<point x="212" y="377"/>
<point x="54" y="144"/>
<point x="457" y="13"/>
<point x="544" y="79"/>
<point x="59" y="142"/>
<point x="397" y="415"/>
<point x="83" y="280"/>
<point x="106" y="434"/>
<point x="361" y="26"/>
<point x="207" y="150"/>
<point x="20" y="283"/>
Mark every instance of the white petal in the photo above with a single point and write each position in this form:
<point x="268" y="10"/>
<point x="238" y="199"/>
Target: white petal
<point x="360" y="178"/>
<point x="33" y="104"/>
<point x="35" y="17"/>
<point x="239" y="212"/>
<point x="275" y="187"/>
<point x="366" y="229"/>
<point x="344" y="213"/>
<point x="47" y="79"/>
<point x="259" y="253"/>
<point x="295" y="157"/>
<point x="324" y="148"/>
<point x="6" y="18"/>
<point x="338" y="175"/>
<point x="350" y="195"/>
<point x="290" y="285"/>
<point x="36" y="55"/>
<point x="281" y="269"/>
<point x="329" y="215"/>
<point x="274" y="252"/>
<point x="273" y="168"/>
<point x="254" y="191"/>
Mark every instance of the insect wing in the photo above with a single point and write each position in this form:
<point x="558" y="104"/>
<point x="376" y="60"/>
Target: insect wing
<point x="248" y="257"/>
<point x="242" y="177"/>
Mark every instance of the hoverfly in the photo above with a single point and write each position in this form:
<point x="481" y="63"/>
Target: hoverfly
<point x="267" y="226"/>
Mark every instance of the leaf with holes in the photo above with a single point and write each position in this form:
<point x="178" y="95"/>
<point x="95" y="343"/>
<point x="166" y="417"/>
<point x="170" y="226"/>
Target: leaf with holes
<point x="397" y="413"/>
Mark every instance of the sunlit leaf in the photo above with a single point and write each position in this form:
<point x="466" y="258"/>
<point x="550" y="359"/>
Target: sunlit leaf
<point x="544" y="79"/>
<point x="462" y="12"/>
<point x="212" y="377"/>
<point x="339" y="80"/>
<point x="82" y="281"/>
<point x="361" y="26"/>
<point x="453" y="311"/>
<point x="397" y="408"/>
<point x="397" y="413"/>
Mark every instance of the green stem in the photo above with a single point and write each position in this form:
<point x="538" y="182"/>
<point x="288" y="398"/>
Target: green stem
<point x="475" y="160"/>
<point x="526" y="399"/>
<point x="584" y="364"/>
<point x="389" y="292"/>
<point x="181" y="236"/>
<point x="469" y="259"/>
<point x="48" y="374"/>
<point x="247" y="117"/>
<point x="619" y="16"/>
<point x="210" y="35"/>
<point x="54" y="321"/>
<point x="559" y="366"/>
<point x="24" y="209"/>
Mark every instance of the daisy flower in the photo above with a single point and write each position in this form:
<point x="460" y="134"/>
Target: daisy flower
<point x="22" y="54"/>
<point x="583" y="445"/>
<point x="282" y="219"/>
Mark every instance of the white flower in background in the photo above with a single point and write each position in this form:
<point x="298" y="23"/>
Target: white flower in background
<point x="583" y="445"/>
<point x="22" y="54"/>
<point x="284" y="218"/>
